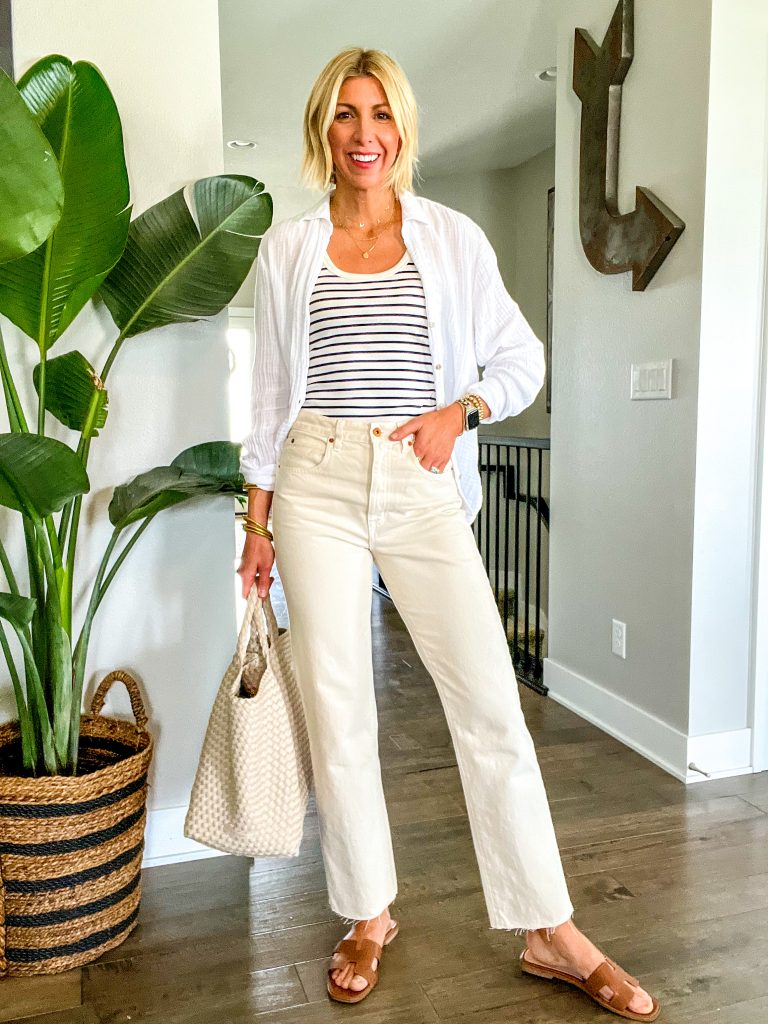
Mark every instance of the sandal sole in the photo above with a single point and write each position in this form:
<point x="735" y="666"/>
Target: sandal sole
<point x="551" y="973"/>
<point x="345" y="995"/>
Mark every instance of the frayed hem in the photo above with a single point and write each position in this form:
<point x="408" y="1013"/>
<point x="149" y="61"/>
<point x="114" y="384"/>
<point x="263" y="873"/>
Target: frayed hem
<point x="548" y="929"/>
<point x="354" y="920"/>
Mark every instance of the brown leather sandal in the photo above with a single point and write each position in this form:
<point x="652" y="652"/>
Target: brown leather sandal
<point x="361" y="953"/>
<point x="606" y="973"/>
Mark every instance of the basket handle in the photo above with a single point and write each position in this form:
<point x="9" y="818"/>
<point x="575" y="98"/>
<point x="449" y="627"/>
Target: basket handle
<point x="257" y="609"/>
<point x="137" y="704"/>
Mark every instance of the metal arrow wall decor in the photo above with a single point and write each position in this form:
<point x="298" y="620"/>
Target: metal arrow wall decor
<point x="614" y="243"/>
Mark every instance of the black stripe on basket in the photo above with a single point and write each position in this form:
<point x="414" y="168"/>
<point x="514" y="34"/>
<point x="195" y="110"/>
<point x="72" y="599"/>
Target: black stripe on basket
<point x="19" y="887"/>
<point x="72" y="913"/>
<point x="18" y="955"/>
<point x="67" y="810"/>
<point x="49" y="849"/>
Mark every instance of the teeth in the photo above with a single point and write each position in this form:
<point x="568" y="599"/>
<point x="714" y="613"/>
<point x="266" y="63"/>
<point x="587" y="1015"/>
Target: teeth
<point x="365" y="159"/>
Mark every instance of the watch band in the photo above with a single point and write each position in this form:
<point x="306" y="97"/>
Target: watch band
<point x="471" y="408"/>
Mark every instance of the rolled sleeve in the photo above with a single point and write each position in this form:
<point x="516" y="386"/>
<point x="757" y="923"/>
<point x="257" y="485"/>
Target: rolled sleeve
<point x="270" y="382"/>
<point x="506" y="347"/>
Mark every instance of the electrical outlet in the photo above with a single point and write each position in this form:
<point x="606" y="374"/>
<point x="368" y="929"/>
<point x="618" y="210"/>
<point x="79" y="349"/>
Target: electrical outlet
<point x="619" y="638"/>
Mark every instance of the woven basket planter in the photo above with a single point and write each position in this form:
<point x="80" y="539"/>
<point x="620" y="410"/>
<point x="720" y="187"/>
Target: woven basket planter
<point x="71" y="846"/>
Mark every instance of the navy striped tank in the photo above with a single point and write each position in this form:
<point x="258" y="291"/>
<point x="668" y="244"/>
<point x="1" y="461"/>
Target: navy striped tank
<point x="369" y="349"/>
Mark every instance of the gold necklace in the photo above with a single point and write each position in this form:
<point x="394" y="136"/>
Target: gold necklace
<point x="366" y="252"/>
<point x="361" y="224"/>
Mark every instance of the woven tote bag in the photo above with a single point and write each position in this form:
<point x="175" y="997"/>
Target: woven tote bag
<point x="254" y="776"/>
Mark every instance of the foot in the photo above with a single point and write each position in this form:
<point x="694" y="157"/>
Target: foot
<point x="376" y="928"/>
<point x="570" y="950"/>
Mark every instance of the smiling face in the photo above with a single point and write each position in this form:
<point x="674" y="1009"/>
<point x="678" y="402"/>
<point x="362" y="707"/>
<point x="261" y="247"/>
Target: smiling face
<point x="363" y="136"/>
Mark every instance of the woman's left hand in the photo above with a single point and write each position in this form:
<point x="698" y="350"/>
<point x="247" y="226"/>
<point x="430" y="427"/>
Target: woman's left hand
<point x="434" y="434"/>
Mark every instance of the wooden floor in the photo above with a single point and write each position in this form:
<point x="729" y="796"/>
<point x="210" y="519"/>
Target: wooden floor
<point x="671" y="881"/>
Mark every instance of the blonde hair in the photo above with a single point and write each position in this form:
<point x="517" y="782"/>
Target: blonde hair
<point x="317" y="163"/>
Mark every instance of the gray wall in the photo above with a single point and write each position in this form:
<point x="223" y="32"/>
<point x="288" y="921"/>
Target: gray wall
<point x="622" y="474"/>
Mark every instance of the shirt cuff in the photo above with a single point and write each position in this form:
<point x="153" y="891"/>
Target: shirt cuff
<point x="488" y="391"/>
<point x="262" y="476"/>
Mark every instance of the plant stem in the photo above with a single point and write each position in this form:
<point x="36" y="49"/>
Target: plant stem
<point x="28" y="742"/>
<point x="81" y="649"/>
<point x="16" y="416"/>
<point x="6" y="564"/>
<point x="120" y="559"/>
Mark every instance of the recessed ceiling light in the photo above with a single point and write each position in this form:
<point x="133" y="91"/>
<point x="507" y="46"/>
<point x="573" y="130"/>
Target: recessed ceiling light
<point x="241" y="144"/>
<point x="548" y="74"/>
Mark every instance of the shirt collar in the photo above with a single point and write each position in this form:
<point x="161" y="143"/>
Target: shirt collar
<point x="411" y="204"/>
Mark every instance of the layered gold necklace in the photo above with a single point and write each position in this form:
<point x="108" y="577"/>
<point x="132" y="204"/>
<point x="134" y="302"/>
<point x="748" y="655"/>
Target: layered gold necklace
<point x="365" y="253"/>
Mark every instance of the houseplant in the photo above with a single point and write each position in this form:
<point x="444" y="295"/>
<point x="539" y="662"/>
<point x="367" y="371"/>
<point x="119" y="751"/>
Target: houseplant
<point x="66" y="237"/>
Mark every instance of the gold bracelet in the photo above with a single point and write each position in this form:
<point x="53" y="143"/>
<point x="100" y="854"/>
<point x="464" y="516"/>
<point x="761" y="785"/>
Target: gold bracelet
<point x="251" y="487"/>
<point x="477" y="402"/>
<point x="252" y="526"/>
<point x="250" y="529"/>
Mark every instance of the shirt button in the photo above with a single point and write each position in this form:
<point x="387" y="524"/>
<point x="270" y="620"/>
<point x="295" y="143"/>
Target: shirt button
<point x="438" y="366"/>
<point x="431" y="323"/>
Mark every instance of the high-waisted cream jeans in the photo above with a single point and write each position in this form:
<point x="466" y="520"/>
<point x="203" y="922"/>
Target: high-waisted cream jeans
<point x="345" y="496"/>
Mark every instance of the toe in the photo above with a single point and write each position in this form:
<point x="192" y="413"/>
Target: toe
<point x="640" y="1002"/>
<point x="358" y="983"/>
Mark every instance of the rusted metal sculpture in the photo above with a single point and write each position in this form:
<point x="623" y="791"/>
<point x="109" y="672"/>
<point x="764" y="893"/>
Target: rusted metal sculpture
<point x="614" y="243"/>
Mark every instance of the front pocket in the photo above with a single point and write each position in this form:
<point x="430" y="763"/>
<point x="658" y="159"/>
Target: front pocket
<point x="304" y="452"/>
<point x="423" y="470"/>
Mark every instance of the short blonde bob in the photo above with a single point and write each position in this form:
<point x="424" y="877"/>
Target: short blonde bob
<point x="317" y="163"/>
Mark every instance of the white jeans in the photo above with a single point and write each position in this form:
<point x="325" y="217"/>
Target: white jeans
<point x="346" y="496"/>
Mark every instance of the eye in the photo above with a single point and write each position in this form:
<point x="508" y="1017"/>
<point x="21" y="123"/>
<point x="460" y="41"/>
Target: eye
<point x="342" y="113"/>
<point x="386" y="115"/>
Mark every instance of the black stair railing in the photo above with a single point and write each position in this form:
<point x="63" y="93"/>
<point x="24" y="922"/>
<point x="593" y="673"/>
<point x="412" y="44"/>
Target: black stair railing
<point x="512" y="531"/>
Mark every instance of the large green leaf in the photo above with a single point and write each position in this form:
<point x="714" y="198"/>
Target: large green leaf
<point x="17" y="610"/>
<point x="31" y="190"/>
<point x="219" y="460"/>
<point x="43" y="292"/>
<point x="171" y="272"/>
<point x="206" y="469"/>
<point x="74" y="393"/>
<point x="38" y="474"/>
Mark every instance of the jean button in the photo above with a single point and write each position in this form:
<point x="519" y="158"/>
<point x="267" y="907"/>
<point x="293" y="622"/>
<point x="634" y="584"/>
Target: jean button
<point x="377" y="431"/>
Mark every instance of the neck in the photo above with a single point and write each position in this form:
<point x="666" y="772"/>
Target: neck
<point x="355" y="205"/>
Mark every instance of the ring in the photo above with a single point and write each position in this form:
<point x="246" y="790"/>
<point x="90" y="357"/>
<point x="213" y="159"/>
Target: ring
<point x="433" y="469"/>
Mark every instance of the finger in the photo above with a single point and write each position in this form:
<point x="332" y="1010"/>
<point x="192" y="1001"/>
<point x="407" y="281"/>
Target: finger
<point x="406" y="428"/>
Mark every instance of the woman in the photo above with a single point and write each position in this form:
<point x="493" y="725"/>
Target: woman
<point x="374" y="310"/>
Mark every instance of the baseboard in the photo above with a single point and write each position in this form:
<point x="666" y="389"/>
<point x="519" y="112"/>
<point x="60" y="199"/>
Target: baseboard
<point x="165" y="842"/>
<point x="719" y="755"/>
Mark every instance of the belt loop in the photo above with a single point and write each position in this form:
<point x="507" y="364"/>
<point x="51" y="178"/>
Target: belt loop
<point x="338" y="433"/>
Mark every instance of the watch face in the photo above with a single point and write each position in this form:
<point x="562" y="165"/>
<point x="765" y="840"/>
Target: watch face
<point x="473" y="419"/>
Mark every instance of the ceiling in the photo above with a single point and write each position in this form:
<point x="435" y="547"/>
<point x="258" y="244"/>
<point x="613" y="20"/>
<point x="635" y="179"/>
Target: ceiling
<point x="472" y="65"/>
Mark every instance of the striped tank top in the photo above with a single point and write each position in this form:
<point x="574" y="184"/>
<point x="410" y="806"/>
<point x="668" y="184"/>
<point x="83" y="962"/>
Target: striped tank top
<point x="369" y="349"/>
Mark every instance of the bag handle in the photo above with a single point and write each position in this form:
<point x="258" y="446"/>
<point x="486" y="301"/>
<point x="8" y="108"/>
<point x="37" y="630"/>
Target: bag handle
<point x="137" y="704"/>
<point x="256" y="610"/>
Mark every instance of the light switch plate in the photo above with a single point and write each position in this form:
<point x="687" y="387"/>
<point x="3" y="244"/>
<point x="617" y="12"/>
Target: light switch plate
<point x="651" y="380"/>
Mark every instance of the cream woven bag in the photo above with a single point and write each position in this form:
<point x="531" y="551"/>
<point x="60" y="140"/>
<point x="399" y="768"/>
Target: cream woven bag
<point x="253" y="779"/>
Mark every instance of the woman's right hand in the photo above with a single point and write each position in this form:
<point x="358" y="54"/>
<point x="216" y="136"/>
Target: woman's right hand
<point x="256" y="564"/>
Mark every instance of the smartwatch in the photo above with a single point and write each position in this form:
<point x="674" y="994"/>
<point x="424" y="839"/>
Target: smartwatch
<point x="470" y="404"/>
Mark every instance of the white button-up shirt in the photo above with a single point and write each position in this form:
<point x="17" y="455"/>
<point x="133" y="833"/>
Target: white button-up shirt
<point x="473" y="323"/>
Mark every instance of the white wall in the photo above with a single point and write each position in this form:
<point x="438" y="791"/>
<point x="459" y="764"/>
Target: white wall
<point x="622" y="473"/>
<point x="723" y="664"/>
<point x="169" y="617"/>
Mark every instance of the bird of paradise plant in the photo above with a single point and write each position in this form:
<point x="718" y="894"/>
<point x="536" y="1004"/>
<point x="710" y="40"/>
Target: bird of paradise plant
<point x="66" y="238"/>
